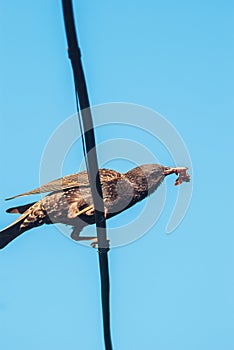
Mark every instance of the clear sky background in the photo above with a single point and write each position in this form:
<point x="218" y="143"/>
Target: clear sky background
<point x="167" y="291"/>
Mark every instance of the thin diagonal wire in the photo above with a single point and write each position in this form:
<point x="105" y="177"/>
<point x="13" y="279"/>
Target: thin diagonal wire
<point x="92" y="163"/>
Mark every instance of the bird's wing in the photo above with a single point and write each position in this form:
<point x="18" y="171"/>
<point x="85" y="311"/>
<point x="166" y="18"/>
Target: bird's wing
<point x="80" y="180"/>
<point x="69" y="181"/>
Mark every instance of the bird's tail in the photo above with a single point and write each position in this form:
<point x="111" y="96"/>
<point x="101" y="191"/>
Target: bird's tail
<point x="20" y="209"/>
<point x="15" y="229"/>
<point x="9" y="233"/>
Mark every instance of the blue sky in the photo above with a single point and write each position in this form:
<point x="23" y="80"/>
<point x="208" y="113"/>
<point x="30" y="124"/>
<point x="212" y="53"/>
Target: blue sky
<point x="167" y="291"/>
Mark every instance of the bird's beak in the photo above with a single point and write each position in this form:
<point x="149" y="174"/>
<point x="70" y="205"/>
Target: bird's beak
<point x="181" y="171"/>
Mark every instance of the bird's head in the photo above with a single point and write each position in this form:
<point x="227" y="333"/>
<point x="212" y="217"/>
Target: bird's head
<point x="146" y="178"/>
<point x="152" y="175"/>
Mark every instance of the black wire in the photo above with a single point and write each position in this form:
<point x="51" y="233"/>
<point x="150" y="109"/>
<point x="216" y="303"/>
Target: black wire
<point x="89" y="146"/>
<point x="105" y="292"/>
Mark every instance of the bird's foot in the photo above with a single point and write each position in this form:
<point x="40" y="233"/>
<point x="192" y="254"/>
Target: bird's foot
<point x="94" y="244"/>
<point x="181" y="171"/>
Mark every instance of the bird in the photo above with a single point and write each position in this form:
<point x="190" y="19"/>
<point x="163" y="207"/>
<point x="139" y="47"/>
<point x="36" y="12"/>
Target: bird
<point x="69" y="199"/>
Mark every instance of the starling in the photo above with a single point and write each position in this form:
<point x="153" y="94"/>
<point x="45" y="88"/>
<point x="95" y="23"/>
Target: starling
<point x="70" y="200"/>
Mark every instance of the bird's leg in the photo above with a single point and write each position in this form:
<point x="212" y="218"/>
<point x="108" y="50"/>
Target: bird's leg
<point x="84" y="238"/>
<point x="181" y="171"/>
<point x="75" y="235"/>
<point x="94" y="244"/>
<point x="94" y="240"/>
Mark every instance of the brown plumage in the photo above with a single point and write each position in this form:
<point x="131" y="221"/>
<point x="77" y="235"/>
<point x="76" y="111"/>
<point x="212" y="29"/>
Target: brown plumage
<point x="70" y="201"/>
